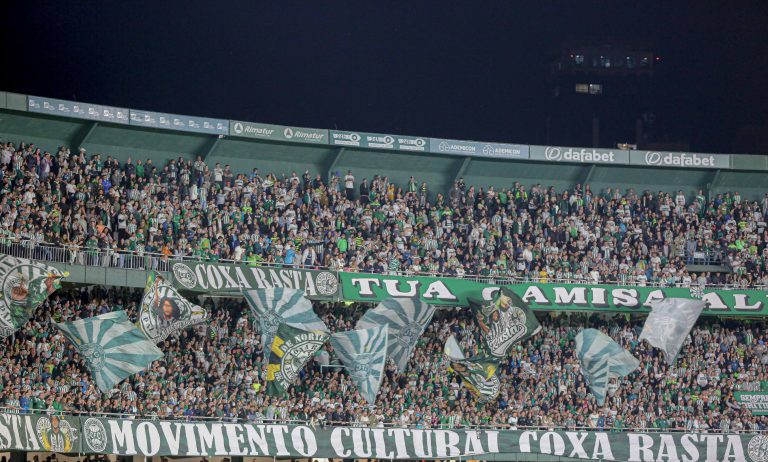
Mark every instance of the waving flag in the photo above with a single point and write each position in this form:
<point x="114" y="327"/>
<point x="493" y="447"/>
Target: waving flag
<point x="364" y="353"/>
<point x="278" y="305"/>
<point x="504" y="321"/>
<point x="112" y="347"/>
<point x="291" y="350"/>
<point x="601" y="360"/>
<point x="25" y="286"/>
<point x="406" y="318"/>
<point x="477" y="373"/>
<point x="669" y="324"/>
<point x="164" y="312"/>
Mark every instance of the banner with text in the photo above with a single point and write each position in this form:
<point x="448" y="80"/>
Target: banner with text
<point x="755" y="401"/>
<point x="549" y="297"/>
<point x="229" y="279"/>
<point x="580" y="155"/>
<point x="679" y="159"/>
<point x="479" y="149"/>
<point x="60" y="107"/>
<point x="179" y="122"/>
<point x="379" y="141"/>
<point x="278" y="132"/>
<point x="188" y="439"/>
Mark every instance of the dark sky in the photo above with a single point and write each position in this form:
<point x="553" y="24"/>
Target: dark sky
<point x="466" y="70"/>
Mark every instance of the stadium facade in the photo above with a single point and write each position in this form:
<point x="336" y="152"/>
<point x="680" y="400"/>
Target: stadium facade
<point x="123" y="133"/>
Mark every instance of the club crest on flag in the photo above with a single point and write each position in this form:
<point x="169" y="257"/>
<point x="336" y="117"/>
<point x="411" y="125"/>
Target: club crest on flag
<point x="406" y="319"/>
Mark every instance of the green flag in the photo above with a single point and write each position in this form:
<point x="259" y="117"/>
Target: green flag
<point x="504" y="321"/>
<point x="24" y="285"/>
<point x="477" y="373"/>
<point x="163" y="311"/>
<point x="291" y="350"/>
<point x="112" y="347"/>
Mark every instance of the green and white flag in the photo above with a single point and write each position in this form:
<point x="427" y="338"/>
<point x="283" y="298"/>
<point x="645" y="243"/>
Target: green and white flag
<point x="477" y="373"/>
<point x="24" y="286"/>
<point x="164" y="312"/>
<point x="278" y="305"/>
<point x="602" y="359"/>
<point x="407" y="318"/>
<point x="364" y="353"/>
<point x="292" y="348"/>
<point x="112" y="347"/>
<point x="504" y="321"/>
<point x="669" y="324"/>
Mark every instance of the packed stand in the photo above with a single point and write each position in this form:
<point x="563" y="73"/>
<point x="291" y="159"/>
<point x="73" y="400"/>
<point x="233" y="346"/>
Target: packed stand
<point x="142" y="215"/>
<point x="217" y="371"/>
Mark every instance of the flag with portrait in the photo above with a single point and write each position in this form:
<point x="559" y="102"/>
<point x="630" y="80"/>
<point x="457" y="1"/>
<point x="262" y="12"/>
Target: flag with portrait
<point x="164" y="311"/>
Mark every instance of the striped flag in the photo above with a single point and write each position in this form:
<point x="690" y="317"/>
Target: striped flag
<point x="406" y="318"/>
<point x="292" y="348"/>
<point x="477" y="373"/>
<point x="25" y="285"/>
<point x="279" y="305"/>
<point x="364" y="353"/>
<point x="602" y="359"/>
<point x="164" y="311"/>
<point x="111" y="346"/>
<point x="669" y="324"/>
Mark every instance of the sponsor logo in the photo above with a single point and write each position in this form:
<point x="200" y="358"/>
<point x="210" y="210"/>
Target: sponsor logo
<point x="184" y="275"/>
<point x="290" y="133"/>
<point x="681" y="159"/>
<point x="557" y="154"/>
<point x="445" y="146"/>
<point x="238" y="128"/>
<point x="412" y="144"/>
<point x="327" y="283"/>
<point x="94" y="434"/>
<point x="380" y="141"/>
<point x="347" y="138"/>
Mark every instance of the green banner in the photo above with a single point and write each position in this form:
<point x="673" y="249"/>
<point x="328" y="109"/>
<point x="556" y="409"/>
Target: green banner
<point x="278" y="132"/>
<point x="224" y="278"/>
<point x="90" y="435"/>
<point x="755" y="401"/>
<point x="40" y="433"/>
<point x="548" y="297"/>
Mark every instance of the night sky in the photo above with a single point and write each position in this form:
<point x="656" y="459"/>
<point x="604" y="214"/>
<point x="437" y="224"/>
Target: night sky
<point x="465" y="70"/>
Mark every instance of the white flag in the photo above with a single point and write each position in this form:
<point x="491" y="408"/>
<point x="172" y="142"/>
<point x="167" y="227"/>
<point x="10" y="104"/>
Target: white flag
<point x="669" y="323"/>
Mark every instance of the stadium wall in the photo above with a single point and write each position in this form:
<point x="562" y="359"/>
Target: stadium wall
<point x="124" y="133"/>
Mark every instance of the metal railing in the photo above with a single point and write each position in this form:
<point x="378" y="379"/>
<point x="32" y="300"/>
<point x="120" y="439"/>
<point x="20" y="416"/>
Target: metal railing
<point x="150" y="261"/>
<point x="384" y="424"/>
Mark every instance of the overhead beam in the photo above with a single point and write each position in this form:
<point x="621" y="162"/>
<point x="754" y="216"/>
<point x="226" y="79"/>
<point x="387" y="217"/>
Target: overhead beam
<point x="462" y="169"/>
<point x="211" y="146"/>
<point x="588" y="175"/>
<point x="713" y="183"/>
<point x="82" y="135"/>
<point x="336" y="156"/>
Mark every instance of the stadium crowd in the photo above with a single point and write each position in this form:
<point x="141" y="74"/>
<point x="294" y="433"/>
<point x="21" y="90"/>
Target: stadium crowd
<point x="107" y="213"/>
<point x="217" y="370"/>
